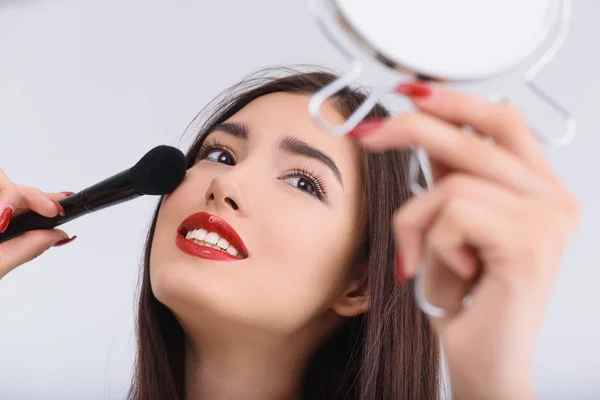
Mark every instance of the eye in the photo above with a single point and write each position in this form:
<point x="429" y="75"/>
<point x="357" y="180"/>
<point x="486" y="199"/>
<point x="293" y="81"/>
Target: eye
<point x="303" y="184"/>
<point x="307" y="182"/>
<point x="220" y="156"/>
<point x="216" y="153"/>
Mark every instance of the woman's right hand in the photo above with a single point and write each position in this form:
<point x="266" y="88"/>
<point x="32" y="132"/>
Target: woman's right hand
<point x="15" y="200"/>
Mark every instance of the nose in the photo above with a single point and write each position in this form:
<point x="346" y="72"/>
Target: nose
<point x="226" y="195"/>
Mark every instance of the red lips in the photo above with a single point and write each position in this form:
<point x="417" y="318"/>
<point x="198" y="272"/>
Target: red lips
<point x="211" y="223"/>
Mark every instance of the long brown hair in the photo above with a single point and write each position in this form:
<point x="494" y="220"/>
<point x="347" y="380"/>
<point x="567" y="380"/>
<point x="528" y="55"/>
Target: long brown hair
<point x="391" y="352"/>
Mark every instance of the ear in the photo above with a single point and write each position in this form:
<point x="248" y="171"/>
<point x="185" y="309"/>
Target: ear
<point x="355" y="299"/>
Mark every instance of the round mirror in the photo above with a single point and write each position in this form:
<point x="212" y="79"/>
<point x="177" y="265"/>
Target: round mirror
<point x="453" y="40"/>
<point x="442" y="40"/>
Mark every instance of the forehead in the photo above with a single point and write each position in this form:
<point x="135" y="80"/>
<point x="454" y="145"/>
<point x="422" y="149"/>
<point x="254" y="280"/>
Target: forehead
<point x="287" y="110"/>
<point x="273" y="115"/>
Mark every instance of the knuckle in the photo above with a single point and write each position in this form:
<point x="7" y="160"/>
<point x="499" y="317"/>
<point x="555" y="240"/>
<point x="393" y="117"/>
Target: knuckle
<point x="454" y="210"/>
<point x="451" y="216"/>
<point x="508" y="110"/>
<point x="410" y="124"/>
<point x="566" y="208"/>
<point x="33" y="195"/>
<point x="569" y="218"/>
<point x="573" y="208"/>
<point x="508" y="116"/>
<point x="454" y="184"/>
<point x="36" y="191"/>
<point x="435" y="236"/>
<point x="409" y="119"/>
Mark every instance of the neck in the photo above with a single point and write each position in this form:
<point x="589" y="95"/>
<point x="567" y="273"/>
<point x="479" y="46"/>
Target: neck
<point x="227" y="368"/>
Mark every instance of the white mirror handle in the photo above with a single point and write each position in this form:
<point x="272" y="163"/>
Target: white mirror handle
<point x="533" y="71"/>
<point x="317" y="100"/>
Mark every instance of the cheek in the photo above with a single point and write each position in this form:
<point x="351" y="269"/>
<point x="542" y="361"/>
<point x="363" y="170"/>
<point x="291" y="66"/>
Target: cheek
<point x="165" y="257"/>
<point x="310" y="240"/>
<point x="304" y="256"/>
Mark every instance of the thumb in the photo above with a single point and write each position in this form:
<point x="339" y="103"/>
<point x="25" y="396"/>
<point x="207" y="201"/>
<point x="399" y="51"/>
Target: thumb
<point x="28" y="246"/>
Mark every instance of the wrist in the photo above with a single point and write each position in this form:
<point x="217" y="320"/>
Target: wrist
<point x="509" y="377"/>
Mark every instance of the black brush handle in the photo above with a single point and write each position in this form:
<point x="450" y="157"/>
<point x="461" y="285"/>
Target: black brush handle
<point x="114" y="190"/>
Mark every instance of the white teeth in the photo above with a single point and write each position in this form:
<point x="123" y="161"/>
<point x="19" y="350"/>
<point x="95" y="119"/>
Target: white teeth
<point x="212" y="238"/>
<point x="200" y="234"/>
<point x="222" y="243"/>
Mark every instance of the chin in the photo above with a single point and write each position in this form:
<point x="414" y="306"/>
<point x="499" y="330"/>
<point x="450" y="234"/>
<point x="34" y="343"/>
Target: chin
<point x="231" y="296"/>
<point x="195" y="290"/>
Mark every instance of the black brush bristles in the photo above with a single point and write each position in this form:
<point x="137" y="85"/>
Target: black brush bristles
<point x="159" y="172"/>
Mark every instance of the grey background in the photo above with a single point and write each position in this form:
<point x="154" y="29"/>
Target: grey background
<point x="87" y="87"/>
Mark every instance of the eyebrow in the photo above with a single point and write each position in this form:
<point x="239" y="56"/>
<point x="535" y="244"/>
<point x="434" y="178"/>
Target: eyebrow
<point x="287" y="143"/>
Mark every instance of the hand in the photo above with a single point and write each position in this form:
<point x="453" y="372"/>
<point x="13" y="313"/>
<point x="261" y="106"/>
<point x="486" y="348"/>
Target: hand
<point x="20" y="199"/>
<point x="497" y="218"/>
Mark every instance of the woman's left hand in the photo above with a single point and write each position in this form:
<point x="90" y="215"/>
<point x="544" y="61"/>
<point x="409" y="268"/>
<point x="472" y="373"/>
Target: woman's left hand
<point x="497" y="218"/>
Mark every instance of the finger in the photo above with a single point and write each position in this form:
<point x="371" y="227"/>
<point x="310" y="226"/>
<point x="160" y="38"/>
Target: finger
<point x="448" y="145"/>
<point x="464" y="223"/>
<point x="26" y="247"/>
<point x="448" y="274"/>
<point x="414" y="219"/>
<point x="9" y="199"/>
<point x="35" y="200"/>
<point x="52" y="207"/>
<point x="499" y="120"/>
<point x="57" y="195"/>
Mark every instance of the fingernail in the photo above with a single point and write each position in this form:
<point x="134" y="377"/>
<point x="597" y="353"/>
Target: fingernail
<point x="64" y="241"/>
<point x="366" y="128"/>
<point x="60" y="208"/>
<point x="68" y="193"/>
<point x="414" y="89"/>
<point x="5" y="218"/>
<point x="399" y="267"/>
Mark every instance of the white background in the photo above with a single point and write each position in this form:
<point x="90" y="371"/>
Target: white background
<point x="87" y="87"/>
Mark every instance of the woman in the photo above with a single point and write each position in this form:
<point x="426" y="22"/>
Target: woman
<point x="302" y="290"/>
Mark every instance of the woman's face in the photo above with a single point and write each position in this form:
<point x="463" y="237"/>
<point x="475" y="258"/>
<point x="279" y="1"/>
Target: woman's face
<point x="292" y="193"/>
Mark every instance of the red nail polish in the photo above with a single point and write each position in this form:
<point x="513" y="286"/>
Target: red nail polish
<point x="365" y="128"/>
<point x="64" y="241"/>
<point x="399" y="267"/>
<point x="415" y="89"/>
<point x="61" y="209"/>
<point x="5" y="218"/>
<point x="68" y="193"/>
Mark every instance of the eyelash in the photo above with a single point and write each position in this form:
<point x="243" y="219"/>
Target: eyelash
<point x="216" y="145"/>
<point x="317" y="182"/>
